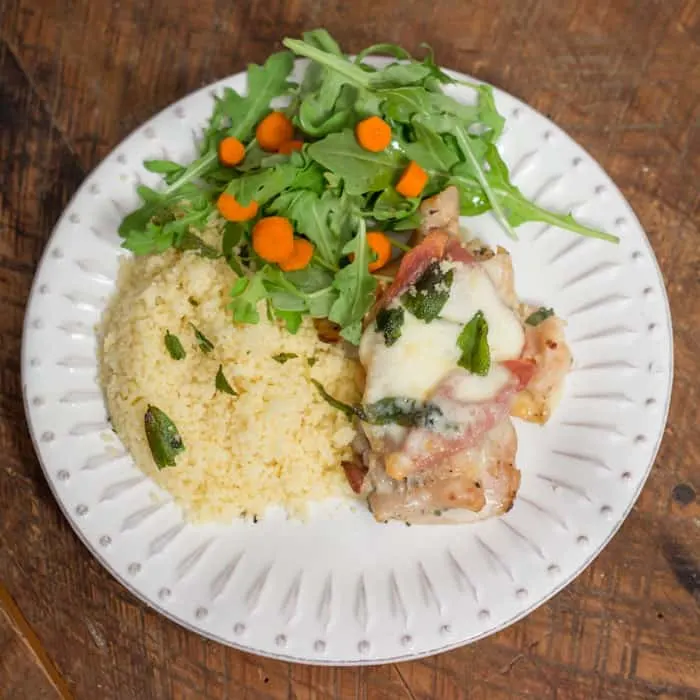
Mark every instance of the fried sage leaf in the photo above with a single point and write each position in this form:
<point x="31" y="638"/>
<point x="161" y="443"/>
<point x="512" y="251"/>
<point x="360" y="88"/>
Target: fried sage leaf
<point x="283" y="357"/>
<point x="426" y="298"/>
<point x="163" y="438"/>
<point x="473" y="342"/>
<point x="346" y="408"/>
<point x="389" y="322"/>
<point x="397" y="410"/>
<point x="205" y="345"/>
<point x="222" y="384"/>
<point x="536" y="317"/>
<point x="174" y="346"/>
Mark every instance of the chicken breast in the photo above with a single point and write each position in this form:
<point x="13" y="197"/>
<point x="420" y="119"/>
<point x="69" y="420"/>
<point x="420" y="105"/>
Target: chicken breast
<point x="546" y="347"/>
<point x="449" y="355"/>
<point x="472" y="484"/>
<point x="441" y="212"/>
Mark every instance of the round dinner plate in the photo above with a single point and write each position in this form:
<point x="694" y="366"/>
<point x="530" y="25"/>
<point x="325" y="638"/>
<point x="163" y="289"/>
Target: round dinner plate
<point x="340" y="588"/>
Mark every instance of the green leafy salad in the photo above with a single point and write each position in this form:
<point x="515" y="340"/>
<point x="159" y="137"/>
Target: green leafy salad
<point x="315" y="195"/>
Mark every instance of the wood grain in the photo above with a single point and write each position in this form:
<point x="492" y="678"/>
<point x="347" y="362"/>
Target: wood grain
<point x="622" y="76"/>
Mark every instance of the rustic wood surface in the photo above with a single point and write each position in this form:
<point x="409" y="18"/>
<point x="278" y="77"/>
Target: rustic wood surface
<point x="622" y="76"/>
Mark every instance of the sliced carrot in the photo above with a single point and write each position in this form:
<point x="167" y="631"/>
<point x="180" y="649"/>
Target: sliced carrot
<point x="412" y="181"/>
<point x="231" y="151"/>
<point x="230" y="209"/>
<point x="274" y="130"/>
<point x="381" y="245"/>
<point x="288" y="146"/>
<point x="301" y="256"/>
<point x="373" y="134"/>
<point x="273" y="238"/>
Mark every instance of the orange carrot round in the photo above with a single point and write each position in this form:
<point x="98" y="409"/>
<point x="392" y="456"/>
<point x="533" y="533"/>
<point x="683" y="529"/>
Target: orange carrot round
<point x="381" y="245"/>
<point x="231" y="210"/>
<point x="412" y="181"/>
<point x="288" y="146"/>
<point x="373" y="134"/>
<point x="274" y="130"/>
<point x="273" y="238"/>
<point x="231" y="151"/>
<point x="301" y="256"/>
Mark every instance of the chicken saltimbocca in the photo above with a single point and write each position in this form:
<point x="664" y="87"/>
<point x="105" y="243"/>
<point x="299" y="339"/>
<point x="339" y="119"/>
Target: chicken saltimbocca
<point x="450" y="355"/>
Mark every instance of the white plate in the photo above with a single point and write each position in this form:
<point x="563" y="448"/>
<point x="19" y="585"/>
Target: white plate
<point x="343" y="589"/>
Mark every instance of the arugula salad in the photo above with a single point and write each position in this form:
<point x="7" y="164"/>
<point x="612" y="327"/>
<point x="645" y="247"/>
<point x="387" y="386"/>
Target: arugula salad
<point x="315" y="196"/>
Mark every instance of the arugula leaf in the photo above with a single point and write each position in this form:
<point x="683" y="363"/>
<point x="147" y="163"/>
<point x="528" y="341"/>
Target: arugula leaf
<point x="390" y="205"/>
<point x="393" y="75"/>
<point x="205" y="345"/>
<point x="263" y="185"/>
<point x="405" y="103"/>
<point x="384" y="50"/>
<point x="239" y="114"/>
<point x="411" y="91"/>
<point x="465" y="143"/>
<point x="311" y="215"/>
<point x="326" y="100"/>
<point x="233" y="115"/>
<point x="254" y="158"/>
<point x="221" y="383"/>
<point x="246" y="293"/>
<point x="437" y="73"/>
<point x="163" y="437"/>
<point x="429" y="150"/>
<point x="152" y="239"/>
<point x="473" y="342"/>
<point x="355" y="286"/>
<point x="284" y="357"/>
<point x="294" y="172"/>
<point x="162" y="167"/>
<point x="308" y="291"/>
<point x="362" y="171"/>
<point x="351" y="73"/>
<point x="167" y="168"/>
<point x="292" y="319"/>
<point x="536" y="317"/>
<point x="410" y="223"/>
<point x="174" y="346"/>
<point x="519" y="209"/>
<point x="233" y="234"/>
<point x="472" y="200"/>
<point x="161" y="210"/>
<point x="389" y="322"/>
<point x="231" y="244"/>
<point x="427" y="297"/>
<point x="398" y="75"/>
<point x="488" y="114"/>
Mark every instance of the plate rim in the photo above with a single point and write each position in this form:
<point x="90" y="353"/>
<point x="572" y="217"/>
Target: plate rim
<point x="590" y="556"/>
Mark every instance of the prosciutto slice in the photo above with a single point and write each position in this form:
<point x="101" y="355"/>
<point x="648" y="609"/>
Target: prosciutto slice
<point x="425" y="449"/>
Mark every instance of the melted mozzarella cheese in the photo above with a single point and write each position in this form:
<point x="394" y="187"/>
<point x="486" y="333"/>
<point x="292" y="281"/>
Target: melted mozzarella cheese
<point x="471" y="387"/>
<point x="414" y="364"/>
<point x="426" y="353"/>
<point x="473" y="291"/>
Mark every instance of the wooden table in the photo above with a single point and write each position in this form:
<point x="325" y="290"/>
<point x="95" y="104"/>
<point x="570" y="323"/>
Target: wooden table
<point x="622" y="77"/>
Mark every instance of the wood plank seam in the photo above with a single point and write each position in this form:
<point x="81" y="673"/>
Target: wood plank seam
<point x="33" y="644"/>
